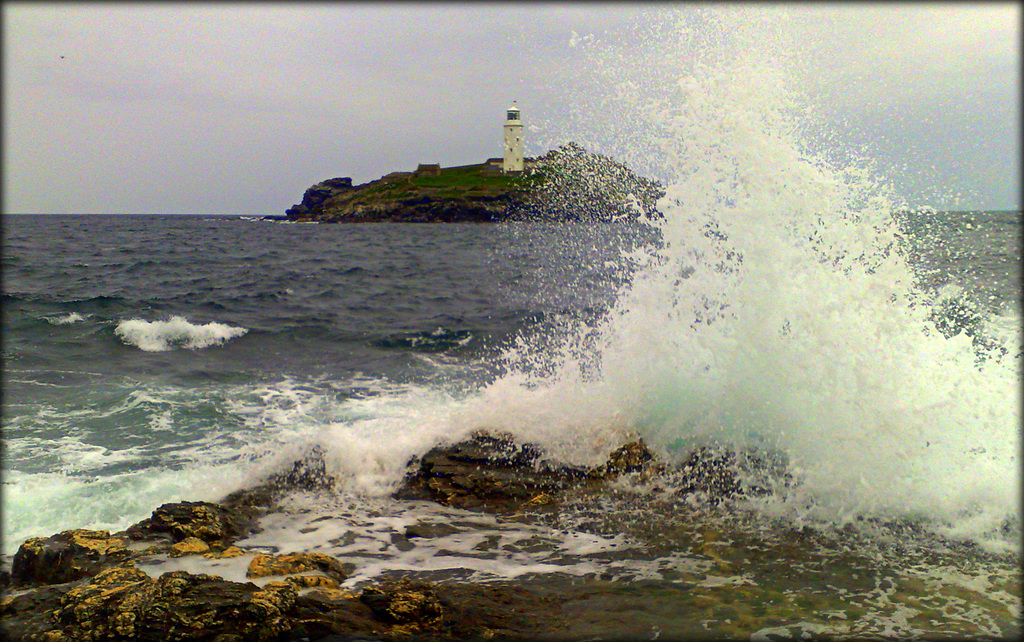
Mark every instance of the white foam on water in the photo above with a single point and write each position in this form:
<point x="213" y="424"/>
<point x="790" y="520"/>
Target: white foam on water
<point x="371" y="534"/>
<point x="180" y="445"/>
<point x="41" y="504"/>
<point x="176" y="332"/>
<point x="66" y="319"/>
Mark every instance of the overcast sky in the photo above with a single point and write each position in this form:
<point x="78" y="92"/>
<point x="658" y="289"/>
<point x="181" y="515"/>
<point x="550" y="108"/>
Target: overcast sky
<point x="238" y="108"/>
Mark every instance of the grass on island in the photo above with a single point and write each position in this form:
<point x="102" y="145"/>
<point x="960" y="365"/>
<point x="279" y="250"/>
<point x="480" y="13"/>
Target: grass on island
<point x="450" y="183"/>
<point x="474" y="176"/>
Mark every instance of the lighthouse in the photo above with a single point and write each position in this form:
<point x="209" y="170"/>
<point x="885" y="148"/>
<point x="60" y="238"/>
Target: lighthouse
<point x="513" y="161"/>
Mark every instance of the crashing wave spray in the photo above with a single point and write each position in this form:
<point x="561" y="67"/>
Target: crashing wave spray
<point x="780" y="312"/>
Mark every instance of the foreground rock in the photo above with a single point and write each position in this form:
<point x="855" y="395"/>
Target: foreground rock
<point x="488" y="472"/>
<point x="85" y="585"/>
<point x="67" y="556"/>
<point x="124" y="603"/>
<point x="495" y="473"/>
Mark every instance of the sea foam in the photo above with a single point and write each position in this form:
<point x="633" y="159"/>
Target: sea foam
<point x="176" y="332"/>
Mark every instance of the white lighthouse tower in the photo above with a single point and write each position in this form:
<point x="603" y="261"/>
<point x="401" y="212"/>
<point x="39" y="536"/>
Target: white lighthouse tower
<point x="513" y="161"/>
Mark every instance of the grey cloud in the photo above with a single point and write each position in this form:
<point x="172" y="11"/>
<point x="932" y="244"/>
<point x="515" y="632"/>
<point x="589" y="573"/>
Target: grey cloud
<point x="281" y="96"/>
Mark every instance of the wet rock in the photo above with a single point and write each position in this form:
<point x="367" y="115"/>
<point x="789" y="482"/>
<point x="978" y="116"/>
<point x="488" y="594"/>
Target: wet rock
<point x="634" y="457"/>
<point x="404" y="602"/>
<point x="429" y="531"/>
<point x="30" y="613"/>
<point x="246" y="506"/>
<point x="719" y="473"/>
<point x="308" y="473"/>
<point x="66" y="556"/>
<point x="230" y="551"/>
<point x="487" y="472"/>
<point x="324" y="614"/>
<point x="206" y="521"/>
<point x="267" y="565"/>
<point x="502" y="611"/>
<point x="189" y="546"/>
<point x="710" y="471"/>
<point x="312" y="581"/>
<point x="125" y="603"/>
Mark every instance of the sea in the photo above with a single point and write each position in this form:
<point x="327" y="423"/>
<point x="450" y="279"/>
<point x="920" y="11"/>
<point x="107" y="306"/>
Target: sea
<point x="784" y="304"/>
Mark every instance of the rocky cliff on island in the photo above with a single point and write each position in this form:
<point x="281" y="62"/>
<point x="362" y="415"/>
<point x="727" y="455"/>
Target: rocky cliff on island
<point x="567" y="183"/>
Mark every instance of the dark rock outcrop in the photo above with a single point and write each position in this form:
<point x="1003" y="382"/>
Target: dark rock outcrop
<point x="717" y="474"/>
<point x="206" y="521"/>
<point x="403" y="602"/>
<point x="314" y="197"/>
<point x="307" y="473"/>
<point x="296" y="563"/>
<point x="125" y="603"/>
<point x="634" y="457"/>
<point x="495" y="473"/>
<point x="487" y="472"/>
<point x="66" y="557"/>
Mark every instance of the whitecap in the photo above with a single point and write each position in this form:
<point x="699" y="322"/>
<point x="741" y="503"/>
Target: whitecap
<point x="176" y="332"/>
<point x="67" y="319"/>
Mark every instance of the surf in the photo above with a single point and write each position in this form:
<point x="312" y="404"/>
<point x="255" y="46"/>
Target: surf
<point x="780" y="312"/>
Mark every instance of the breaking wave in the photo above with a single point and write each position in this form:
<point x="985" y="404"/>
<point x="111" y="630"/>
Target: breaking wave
<point x="780" y="313"/>
<point x="176" y="332"/>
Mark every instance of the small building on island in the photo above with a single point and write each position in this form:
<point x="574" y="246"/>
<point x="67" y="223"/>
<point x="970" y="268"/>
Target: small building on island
<point x="428" y="169"/>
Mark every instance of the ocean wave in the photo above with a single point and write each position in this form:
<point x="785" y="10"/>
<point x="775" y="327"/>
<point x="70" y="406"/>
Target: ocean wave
<point x="176" y="332"/>
<point x="66" y="319"/>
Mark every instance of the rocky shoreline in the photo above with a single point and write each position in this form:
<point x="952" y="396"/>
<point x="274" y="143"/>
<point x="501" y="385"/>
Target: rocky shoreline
<point x="567" y="183"/>
<point x="95" y="585"/>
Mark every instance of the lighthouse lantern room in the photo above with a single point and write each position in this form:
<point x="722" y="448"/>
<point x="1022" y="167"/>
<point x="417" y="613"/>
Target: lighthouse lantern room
<point x="513" y="161"/>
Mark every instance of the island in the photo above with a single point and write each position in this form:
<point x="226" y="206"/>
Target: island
<point x="567" y="183"/>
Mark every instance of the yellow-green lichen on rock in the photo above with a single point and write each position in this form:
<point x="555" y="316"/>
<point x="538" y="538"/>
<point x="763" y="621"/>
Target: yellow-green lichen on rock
<point x="230" y="551"/>
<point x="189" y="546"/>
<point x="267" y="565"/>
<point x="404" y="602"/>
<point x="107" y="605"/>
<point x="312" y="581"/>
<point x="67" y="556"/>
<point x="183" y="520"/>
<point x="125" y="603"/>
